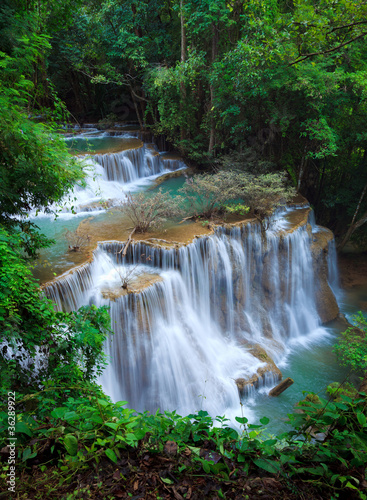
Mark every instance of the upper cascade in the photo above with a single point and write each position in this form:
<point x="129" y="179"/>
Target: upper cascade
<point x="189" y="330"/>
<point x="110" y="175"/>
<point x="133" y="164"/>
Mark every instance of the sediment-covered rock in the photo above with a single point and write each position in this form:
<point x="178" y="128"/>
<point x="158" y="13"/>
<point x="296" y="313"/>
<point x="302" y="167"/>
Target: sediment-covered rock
<point x="137" y="285"/>
<point x="269" y="368"/>
<point x="326" y="303"/>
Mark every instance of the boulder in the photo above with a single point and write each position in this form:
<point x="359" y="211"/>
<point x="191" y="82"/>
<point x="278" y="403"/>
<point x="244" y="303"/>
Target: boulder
<point x="258" y="378"/>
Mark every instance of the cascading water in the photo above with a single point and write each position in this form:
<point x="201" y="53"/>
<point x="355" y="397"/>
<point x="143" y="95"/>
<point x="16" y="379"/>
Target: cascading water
<point x="133" y="164"/>
<point x="109" y="176"/>
<point x="181" y="342"/>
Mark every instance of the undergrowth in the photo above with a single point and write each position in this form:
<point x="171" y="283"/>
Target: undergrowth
<point x="92" y="448"/>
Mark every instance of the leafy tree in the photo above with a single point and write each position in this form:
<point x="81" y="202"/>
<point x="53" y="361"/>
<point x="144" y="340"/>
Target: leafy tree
<point x="266" y="192"/>
<point x="206" y="194"/>
<point x="35" y="166"/>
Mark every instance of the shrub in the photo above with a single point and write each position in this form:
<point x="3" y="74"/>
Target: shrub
<point x="206" y="194"/>
<point x="147" y="211"/>
<point x="77" y="240"/>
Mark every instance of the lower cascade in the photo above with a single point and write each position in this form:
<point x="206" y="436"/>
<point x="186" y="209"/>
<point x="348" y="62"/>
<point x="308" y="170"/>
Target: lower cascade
<point x="198" y="325"/>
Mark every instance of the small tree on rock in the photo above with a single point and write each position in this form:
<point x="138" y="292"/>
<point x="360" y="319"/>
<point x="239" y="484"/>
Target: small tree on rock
<point x="264" y="193"/>
<point x="207" y="194"/>
<point x="147" y="211"/>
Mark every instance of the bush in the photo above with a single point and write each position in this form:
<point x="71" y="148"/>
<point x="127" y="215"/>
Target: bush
<point x="264" y="193"/>
<point x="77" y="240"/>
<point x="352" y="346"/>
<point x="206" y="194"/>
<point x="147" y="211"/>
<point x="209" y="194"/>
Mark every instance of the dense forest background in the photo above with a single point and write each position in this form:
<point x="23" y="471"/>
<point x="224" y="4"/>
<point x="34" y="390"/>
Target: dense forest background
<point x="261" y="84"/>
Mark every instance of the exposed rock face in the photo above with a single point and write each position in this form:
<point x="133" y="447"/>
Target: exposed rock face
<point x="327" y="306"/>
<point x="260" y="376"/>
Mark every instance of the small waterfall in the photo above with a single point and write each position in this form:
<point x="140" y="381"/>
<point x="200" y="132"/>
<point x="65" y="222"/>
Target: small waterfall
<point x="128" y="166"/>
<point x="109" y="176"/>
<point x="181" y="342"/>
<point x="333" y="273"/>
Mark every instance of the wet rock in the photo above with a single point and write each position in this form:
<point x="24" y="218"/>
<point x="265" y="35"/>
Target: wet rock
<point x="325" y="300"/>
<point x="258" y="378"/>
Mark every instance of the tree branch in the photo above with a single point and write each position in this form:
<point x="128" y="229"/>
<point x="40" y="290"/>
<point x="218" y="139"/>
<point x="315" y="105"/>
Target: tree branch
<point x="321" y="52"/>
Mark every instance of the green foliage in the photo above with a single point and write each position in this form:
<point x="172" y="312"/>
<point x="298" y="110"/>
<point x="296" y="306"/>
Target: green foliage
<point x="335" y="390"/>
<point x="35" y="166"/>
<point x="206" y="194"/>
<point x="35" y="171"/>
<point x="91" y="432"/>
<point x="236" y="208"/>
<point x="39" y="347"/>
<point x="209" y="194"/>
<point x="352" y="346"/>
<point x="266" y="192"/>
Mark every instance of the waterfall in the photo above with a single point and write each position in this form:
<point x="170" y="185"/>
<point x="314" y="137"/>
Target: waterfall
<point x="109" y="176"/>
<point x="181" y="341"/>
<point x="130" y="165"/>
<point x="333" y="273"/>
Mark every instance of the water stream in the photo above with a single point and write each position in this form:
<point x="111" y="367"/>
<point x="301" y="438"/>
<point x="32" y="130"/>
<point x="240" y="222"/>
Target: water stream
<point x="195" y="317"/>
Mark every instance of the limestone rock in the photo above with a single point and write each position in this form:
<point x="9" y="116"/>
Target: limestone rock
<point x="325" y="300"/>
<point x="269" y="367"/>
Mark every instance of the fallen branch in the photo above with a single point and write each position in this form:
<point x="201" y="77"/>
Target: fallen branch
<point x="127" y="244"/>
<point x="191" y="217"/>
<point x="284" y="384"/>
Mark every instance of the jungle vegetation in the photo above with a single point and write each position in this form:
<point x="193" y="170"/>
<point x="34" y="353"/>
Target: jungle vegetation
<point x="270" y="87"/>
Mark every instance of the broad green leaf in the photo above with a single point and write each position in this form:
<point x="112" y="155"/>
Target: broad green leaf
<point x="241" y="420"/>
<point x="22" y="427"/>
<point x="59" y="412"/>
<point x="27" y="454"/>
<point x="111" y="455"/>
<point x="71" y="444"/>
<point x="361" y="419"/>
<point x="268" y="465"/>
<point x="167" y="481"/>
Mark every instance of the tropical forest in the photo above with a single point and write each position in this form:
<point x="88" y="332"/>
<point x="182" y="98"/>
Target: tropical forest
<point x="183" y="249"/>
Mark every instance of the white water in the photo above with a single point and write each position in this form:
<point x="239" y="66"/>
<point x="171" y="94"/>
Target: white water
<point x="133" y="164"/>
<point x="110" y="176"/>
<point x="182" y="342"/>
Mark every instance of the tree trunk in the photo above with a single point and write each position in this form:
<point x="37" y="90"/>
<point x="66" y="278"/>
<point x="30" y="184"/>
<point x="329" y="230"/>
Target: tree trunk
<point x="302" y="169"/>
<point x="137" y="110"/>
<point x="127" y="244"/>
<point x="355" y="225"/>
<point x="183" y="33"/>
<point x="281" y="387"/>
<point x="215" y="40"/>
<point x="183" y="59"/>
